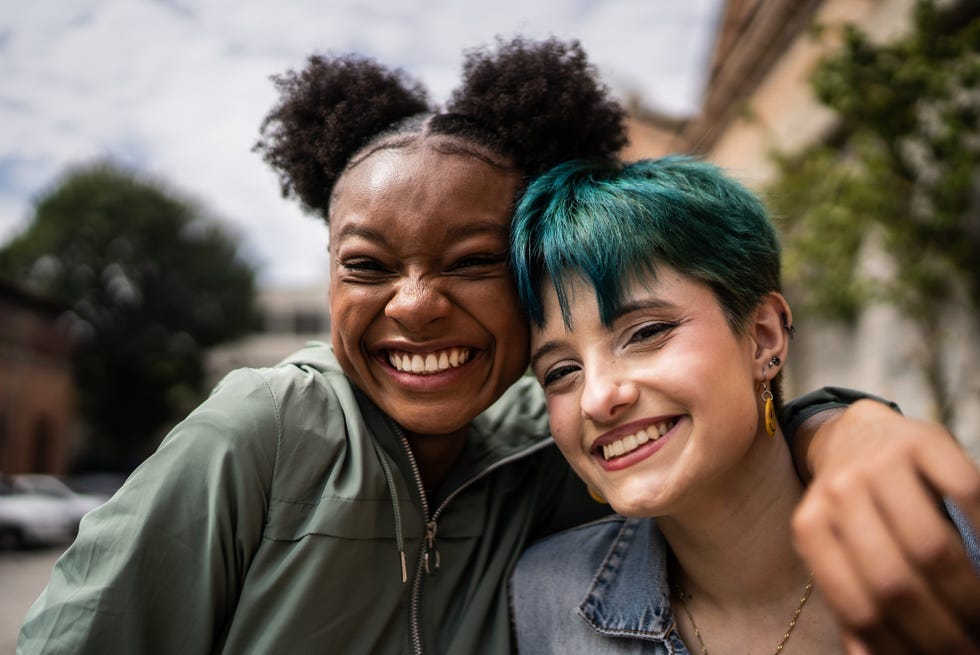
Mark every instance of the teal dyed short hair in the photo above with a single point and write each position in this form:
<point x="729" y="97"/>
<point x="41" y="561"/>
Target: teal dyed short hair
<point x="609" y="222"/>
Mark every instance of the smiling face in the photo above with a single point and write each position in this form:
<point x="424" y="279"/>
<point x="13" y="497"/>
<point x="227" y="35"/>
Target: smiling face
<point x="424" y="311"/>
<point x="657" y="407"/>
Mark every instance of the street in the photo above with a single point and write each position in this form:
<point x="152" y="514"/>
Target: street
<point x="23" y="574"/>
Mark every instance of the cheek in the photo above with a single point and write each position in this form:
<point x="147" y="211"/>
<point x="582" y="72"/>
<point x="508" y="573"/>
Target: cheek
<point x="565" y="421"/>
<point x="349" y="314"/>
<point x="500" y="311"/>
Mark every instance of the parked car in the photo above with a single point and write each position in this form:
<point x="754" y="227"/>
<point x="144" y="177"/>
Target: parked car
<point x="37" y="510"/>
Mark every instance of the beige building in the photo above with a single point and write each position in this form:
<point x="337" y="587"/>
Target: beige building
<point x="758" y="100"/>
<point x="291" y="317"/>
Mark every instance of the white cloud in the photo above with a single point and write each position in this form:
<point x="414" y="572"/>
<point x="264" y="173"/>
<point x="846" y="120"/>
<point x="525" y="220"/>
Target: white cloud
<point x="178" y="87"/>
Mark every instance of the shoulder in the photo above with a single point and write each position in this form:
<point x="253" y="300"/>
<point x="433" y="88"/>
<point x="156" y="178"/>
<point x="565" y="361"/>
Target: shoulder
<point x="302" y="388"/>
<point x="519" y="416"/>
<point x="253" y="412"/>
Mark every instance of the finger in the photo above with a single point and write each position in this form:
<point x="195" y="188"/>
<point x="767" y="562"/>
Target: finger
<point x="815" y="538"/>
<point x="929" y="542"/>
<point x="945" y="466"/>
<point x="905" y="601"/>
<point x="839" y="584"/>
<point x="852" y="645"/>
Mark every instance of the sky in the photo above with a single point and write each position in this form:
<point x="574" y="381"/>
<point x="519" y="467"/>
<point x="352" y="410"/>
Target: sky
<point x="177" y="89"/>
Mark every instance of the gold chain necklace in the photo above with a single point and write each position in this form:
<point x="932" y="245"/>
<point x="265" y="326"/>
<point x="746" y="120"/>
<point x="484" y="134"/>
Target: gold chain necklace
<point x="683" y="597"/>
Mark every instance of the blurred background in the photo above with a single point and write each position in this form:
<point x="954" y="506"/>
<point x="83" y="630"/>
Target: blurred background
<point x="145" y="250"/>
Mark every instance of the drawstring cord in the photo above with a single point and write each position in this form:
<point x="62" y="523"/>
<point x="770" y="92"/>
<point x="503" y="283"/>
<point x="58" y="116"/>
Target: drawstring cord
<point x="390" y="479"/>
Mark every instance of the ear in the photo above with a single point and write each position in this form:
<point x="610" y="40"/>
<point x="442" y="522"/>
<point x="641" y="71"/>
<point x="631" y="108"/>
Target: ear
<point x="769" y="330"/>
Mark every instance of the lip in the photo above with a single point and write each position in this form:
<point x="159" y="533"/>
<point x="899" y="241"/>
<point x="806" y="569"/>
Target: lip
<point x="639" y="454"/>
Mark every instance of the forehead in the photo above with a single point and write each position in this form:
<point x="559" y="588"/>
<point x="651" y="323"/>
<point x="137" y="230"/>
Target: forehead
<point x="661" y="289"/>
<point x="423" y="188"/>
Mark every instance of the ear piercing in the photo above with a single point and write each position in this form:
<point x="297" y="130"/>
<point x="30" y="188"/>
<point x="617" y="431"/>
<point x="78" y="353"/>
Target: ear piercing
<point x="775" y="361"/>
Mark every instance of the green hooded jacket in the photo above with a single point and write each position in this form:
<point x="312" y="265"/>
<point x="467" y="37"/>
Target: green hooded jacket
<point x="286" y="515"/>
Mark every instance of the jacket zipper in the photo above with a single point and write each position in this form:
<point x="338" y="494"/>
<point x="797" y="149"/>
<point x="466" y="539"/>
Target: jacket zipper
<point x="428" y="561"/>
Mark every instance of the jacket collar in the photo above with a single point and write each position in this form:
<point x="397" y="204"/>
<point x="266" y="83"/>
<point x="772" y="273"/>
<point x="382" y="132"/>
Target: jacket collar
<point x="630" y="596"/>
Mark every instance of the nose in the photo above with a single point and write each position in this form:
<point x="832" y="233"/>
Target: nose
<point x="607" y="394"/>
<point x="417" y="303"/>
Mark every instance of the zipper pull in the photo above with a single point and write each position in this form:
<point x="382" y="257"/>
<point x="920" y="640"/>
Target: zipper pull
<point x="430" y="547"/>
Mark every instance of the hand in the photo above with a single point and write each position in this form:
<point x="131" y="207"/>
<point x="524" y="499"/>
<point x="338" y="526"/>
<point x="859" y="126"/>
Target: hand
<point x="873" y="531"/>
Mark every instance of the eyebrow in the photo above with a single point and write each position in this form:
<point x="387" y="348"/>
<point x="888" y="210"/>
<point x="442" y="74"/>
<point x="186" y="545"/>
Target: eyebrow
<point x="479" y="227"/>
<point x="368" y="233"/>
<point x="637" y="305"/>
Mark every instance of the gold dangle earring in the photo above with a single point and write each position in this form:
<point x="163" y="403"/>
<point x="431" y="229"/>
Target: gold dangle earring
<point x="595" y="495"/>
<point x="770" y="410"/>
<point x="767" y="397"/>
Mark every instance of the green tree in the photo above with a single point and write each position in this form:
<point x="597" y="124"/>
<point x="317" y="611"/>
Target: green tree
<point x="903" y="170"/>
<point x="151" y="283"/>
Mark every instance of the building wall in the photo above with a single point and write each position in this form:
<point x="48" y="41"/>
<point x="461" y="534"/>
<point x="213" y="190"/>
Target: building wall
<point x="37" y="393"/>
<point x="291" y="317"/>
<point x="781" y="113"/>
<point x="759" y="101"/>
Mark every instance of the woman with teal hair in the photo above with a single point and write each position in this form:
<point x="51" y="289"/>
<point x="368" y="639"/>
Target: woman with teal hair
<point x="659" y="333"/>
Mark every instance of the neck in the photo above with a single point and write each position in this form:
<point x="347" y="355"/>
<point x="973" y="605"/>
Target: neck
<point x="435" y="455"/>
<point x="733" y="544"/>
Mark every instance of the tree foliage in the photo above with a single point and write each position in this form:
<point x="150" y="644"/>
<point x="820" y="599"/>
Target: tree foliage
<point x="151" y="283"/>
<point x="902" y="170"/>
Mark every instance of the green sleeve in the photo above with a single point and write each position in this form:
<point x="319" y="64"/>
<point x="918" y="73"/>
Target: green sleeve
<point x="798" y="410"/>
<point x="158" y="567"/>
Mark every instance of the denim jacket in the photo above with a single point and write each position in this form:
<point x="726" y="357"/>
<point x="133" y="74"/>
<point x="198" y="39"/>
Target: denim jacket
<point x="602" y="588"/>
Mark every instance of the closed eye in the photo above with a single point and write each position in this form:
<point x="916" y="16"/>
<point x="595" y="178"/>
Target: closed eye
<point x="475" y="263"/>
<point x="364" y="267"/>
<point x="557" y="374"/>
<point x="650" y="331"/>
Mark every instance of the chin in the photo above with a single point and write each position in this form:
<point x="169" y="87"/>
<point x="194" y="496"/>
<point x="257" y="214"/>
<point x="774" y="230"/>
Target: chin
<point x="631" y="511"/>
<point x="637" y="505"/>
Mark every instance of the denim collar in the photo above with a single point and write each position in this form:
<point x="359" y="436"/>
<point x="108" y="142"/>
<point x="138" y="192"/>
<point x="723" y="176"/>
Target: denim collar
<point x="629" y="596"/>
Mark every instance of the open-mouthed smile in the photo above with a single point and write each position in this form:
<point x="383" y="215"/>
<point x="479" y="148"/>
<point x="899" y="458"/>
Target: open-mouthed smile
<point x="631" y="442"/>
<point x="429" y="363"/>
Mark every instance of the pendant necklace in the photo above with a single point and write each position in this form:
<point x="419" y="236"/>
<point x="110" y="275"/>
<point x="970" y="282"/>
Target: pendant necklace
<point x="683" y="597"/>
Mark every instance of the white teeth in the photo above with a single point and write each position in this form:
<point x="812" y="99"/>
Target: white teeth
<point x="434" y="362"/>
<point x="631" y="442"/>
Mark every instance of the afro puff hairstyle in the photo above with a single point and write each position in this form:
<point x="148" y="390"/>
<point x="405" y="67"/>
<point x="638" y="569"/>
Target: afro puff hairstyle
<point x="533" y="103"/>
